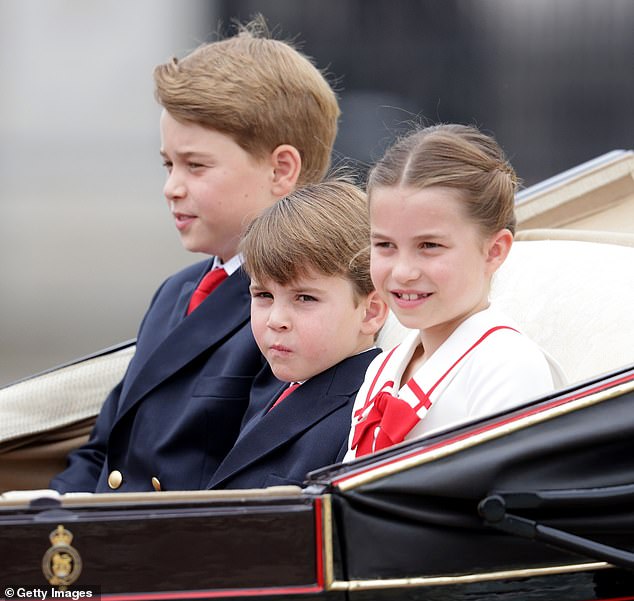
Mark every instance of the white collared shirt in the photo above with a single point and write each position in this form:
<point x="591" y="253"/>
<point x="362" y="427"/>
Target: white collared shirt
<point x="231" y="265"/>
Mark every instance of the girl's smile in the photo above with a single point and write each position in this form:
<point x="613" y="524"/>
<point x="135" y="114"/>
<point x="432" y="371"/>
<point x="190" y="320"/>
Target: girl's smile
<point x="410" y="299"/>
<point x="429" y="261"/>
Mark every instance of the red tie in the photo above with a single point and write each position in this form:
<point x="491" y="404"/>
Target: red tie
<point x="207" y="285"/>
<point x="285" y="393"/>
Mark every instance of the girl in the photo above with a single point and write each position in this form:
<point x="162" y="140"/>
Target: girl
<point x="442" y="223"/>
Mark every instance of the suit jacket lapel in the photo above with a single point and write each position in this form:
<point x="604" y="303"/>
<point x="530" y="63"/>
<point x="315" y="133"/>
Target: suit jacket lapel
<point x="308" y="404"/>
<point x="227" y="308"/>
<point x="181" y="304"/>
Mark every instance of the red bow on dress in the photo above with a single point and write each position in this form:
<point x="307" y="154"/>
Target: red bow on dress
<point x="394" y="419"/>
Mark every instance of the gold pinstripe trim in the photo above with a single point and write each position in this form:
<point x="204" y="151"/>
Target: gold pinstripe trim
<point x="328" y="556"/>
<point x="359" y="585"/>
<point x="422" y="457"/>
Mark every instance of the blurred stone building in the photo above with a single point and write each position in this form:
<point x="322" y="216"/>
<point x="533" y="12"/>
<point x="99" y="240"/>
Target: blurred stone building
<point x="85" y="237"/>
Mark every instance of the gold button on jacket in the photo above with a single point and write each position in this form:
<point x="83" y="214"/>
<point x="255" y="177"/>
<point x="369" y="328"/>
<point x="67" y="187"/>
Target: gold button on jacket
<point x="156" y="483"/>
<point x="115" y="479"/>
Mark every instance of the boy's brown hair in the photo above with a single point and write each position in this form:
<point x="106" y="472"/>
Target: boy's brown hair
<point x="260" y="91"/>
<point x="323" y="227"/>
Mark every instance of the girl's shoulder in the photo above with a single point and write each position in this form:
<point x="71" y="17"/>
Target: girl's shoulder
<point x="509" y="352"/>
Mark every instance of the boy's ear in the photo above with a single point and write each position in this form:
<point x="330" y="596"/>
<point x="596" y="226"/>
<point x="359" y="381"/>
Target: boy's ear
<point x="499" y="246"/>
<point x="287" y="164"/>
<point x="375" y="314"/>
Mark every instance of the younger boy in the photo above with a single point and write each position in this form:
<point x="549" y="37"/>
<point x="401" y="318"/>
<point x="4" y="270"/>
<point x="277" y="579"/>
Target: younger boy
<point x="315" y="316"/>
<point x="245" y="119"/>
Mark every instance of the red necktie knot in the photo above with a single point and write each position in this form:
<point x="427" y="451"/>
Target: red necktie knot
<point x="207" y="285"/>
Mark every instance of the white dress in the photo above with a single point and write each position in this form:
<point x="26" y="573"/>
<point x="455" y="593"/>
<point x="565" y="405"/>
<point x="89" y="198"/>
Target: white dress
<point x="485" y="366"/>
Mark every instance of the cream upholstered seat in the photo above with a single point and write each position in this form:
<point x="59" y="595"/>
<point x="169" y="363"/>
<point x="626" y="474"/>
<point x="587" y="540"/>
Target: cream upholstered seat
<point x="44" y="417"/>
<point x="575" y="298"/>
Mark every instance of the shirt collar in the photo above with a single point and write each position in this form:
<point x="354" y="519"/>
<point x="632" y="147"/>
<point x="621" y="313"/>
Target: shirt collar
<point x="231" y="265"/>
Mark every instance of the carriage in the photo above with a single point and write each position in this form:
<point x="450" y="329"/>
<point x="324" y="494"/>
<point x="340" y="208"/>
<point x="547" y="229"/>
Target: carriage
<point x="532" y="503"/>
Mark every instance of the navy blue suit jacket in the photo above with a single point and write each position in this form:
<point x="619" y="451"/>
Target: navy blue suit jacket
<point x="307" y="430"/>
<point x="179" y="407"/>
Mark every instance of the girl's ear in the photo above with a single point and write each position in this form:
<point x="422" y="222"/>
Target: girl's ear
<point x="375" y="314"/>
<point x="287" y="164"/>
<point x="498" y="248"/>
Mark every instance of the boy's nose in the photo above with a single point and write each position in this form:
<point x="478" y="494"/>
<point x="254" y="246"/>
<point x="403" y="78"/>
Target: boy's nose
<point x="278" y="319"/>
<point x="174" y="187"/>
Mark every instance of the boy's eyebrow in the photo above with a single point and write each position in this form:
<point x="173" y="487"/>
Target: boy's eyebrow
<point x="294" y="287"/>
<point x="186" y="154"/>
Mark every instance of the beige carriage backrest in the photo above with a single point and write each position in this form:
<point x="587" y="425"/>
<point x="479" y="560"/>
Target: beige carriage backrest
<point x="575" y="298"/>
<point x="46" y="401"/>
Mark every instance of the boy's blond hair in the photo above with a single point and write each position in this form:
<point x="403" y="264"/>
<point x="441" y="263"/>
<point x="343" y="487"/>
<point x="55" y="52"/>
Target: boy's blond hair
<point x="260" y="91"/>
<point x="322" y="227"/>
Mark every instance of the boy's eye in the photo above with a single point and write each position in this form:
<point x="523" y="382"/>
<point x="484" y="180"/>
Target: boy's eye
<point x="167" y="164"/>
<point x="383" y="244"/>
<point x="195" y="165"/>
<point x="305" y="298"/>
<point x="429" y="245"/>
<point x="260" y="294"/>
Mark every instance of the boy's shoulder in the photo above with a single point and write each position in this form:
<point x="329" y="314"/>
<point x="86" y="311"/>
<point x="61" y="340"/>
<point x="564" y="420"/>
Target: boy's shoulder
<point x="348" y="375"/>
<point x="193" y="271"/>
<point x="187" y="277"/>
<point x="189" y="274"/>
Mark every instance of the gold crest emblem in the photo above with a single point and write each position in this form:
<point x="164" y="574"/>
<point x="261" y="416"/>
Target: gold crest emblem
<point x="61" y="563"/>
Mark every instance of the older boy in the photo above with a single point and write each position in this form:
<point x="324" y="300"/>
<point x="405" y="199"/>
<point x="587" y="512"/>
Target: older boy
<point x="245" y="119"/>
<point x="315" y="315"/>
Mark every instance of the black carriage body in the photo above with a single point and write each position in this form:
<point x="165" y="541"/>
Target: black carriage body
<point x="135" y="546"/>
<point x="407" y="523"/>
<point x="563" y="469"/>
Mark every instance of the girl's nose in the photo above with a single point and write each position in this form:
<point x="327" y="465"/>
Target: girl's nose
<point x="405" y="269"/>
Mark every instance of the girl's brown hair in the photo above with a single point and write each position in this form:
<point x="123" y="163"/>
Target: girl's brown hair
<point x="455" y="156"/>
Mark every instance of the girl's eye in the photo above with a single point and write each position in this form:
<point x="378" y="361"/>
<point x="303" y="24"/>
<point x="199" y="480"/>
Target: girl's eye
<point x="383" y="245"/>
<point x="429" y="245"/>
<point x="305" y="298"/>
<point x="195" y="165"/>
<point x="167" y="164"/>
